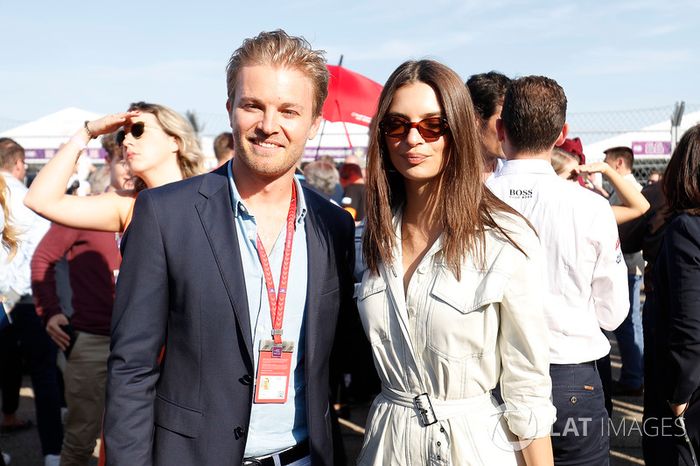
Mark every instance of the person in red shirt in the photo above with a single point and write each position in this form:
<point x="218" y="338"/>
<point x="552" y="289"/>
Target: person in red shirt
<point x="93" y="261"/>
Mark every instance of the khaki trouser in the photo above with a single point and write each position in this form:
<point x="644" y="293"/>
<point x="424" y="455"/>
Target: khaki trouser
<point x="84" y="376"/>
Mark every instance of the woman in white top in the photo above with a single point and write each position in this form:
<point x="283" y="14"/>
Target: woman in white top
<point x="159" y="146"/>
<point x="451" y="300"/>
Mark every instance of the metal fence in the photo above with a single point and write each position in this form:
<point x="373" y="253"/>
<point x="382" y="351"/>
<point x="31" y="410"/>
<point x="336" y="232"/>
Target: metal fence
<point x="644" y="167"/>
<point x="596" y="126"/>
<point x="593" y="127"/>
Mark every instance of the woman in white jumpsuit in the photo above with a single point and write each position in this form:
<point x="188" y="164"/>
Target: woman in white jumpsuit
<point x="451" y="300"/>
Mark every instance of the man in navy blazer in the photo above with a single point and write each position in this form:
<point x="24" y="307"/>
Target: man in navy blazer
<point x="209" y="264"/>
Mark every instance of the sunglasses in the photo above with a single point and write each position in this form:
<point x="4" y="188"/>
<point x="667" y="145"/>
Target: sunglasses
<point x="430" y="129"/>
<point x="136" y="131"/>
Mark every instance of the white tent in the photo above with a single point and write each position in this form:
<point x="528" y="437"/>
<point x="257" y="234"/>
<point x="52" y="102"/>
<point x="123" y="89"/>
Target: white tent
<point x="42" y="137"/>
<point x="332" y="139"/>
<point x="654" y="135"/>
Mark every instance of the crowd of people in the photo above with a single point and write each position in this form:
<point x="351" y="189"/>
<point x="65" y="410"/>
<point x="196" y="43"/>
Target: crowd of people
<point x="211" y="318"/>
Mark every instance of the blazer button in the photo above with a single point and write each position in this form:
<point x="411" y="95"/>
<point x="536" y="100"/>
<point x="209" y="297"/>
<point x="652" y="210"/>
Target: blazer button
<point x="246" y="380"/>
<point x="239" y="432"/>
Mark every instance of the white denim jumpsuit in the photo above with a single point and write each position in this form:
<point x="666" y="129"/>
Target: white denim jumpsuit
<point x="455" y="340"/>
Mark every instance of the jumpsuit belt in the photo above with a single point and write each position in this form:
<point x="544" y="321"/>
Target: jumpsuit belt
<point x="443" y="409"/>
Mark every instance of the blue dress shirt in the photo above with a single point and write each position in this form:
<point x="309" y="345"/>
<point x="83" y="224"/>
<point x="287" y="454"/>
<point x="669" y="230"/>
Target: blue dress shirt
<point x="275" y="427"/>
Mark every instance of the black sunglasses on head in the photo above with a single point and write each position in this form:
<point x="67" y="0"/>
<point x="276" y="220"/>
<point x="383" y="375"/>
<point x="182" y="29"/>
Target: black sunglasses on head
<point x="136" y="131"/>
<point x="430" y="128"/>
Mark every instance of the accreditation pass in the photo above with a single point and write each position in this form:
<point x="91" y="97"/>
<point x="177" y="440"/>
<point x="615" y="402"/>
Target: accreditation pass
<point x="274" y="367"/>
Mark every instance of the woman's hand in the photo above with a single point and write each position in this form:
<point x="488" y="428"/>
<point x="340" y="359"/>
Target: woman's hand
<point x="595" y="167"/>
<point x="110" y="123"/>
<point x="677" y="410"/>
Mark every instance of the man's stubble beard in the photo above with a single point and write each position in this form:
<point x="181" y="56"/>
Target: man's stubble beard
<point x="266" y="167"/>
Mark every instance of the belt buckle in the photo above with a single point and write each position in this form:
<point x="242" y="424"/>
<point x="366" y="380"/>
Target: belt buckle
<point x="425" y="409"/>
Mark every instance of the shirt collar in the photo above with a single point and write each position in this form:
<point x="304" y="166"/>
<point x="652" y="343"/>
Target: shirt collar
<point x="239" y="206"/>
<point x="532" y="166"/>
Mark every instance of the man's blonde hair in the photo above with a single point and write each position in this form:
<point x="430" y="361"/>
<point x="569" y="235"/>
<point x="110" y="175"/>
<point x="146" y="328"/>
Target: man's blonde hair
<point x="277" y="48"/>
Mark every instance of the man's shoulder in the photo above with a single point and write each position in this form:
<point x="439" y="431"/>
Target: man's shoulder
<point x="632" y="179"/>
<point x="324" y="208"/>
<point x="16" y="188"/>
<point x="14" y="184"/>
<point x="585" y="198"/>
<point x="189" y="188"/>
<point x="586" y="206"/>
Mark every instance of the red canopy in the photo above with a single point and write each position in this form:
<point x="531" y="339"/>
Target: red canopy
<point x="352" y="98"/>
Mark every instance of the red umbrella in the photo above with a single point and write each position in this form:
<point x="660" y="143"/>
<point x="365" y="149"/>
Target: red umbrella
<point x="352" y="98"/>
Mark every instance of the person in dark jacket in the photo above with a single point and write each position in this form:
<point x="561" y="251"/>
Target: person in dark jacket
<point x="676" y="279"/>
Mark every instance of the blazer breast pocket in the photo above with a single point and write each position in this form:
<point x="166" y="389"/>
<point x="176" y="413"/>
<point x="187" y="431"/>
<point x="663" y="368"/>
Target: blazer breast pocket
<point x="463" y="319"/>
<point x="178" y="419"/>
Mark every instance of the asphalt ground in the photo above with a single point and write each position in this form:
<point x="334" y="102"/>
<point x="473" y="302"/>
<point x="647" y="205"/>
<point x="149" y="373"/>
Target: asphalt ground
<point x="625" y="439"/>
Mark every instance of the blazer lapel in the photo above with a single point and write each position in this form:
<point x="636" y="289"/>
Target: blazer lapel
<point x="216" y="214"/>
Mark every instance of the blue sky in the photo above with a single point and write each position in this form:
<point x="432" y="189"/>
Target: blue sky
<point x="614" y="55"/>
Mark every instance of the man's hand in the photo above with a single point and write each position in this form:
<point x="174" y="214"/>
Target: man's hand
<point x="53" y="328"/>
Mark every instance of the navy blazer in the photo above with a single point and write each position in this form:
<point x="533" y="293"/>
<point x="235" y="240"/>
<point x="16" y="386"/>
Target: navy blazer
<point x="181" y="285"/>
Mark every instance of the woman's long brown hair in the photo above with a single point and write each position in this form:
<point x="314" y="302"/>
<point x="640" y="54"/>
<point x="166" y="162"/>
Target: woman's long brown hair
<point x="464" y="206"/>
<point x="681" y="181"/>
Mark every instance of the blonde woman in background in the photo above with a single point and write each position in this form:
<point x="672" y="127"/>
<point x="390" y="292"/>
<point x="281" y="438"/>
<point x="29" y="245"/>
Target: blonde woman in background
<point x="159" y="146"/>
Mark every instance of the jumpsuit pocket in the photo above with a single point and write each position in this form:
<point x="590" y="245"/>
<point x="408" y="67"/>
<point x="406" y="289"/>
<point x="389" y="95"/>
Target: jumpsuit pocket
<point x="462" y="320"/>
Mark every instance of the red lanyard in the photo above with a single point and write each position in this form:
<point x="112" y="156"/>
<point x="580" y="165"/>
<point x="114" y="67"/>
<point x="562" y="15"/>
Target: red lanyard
<point x="277" y="300"/>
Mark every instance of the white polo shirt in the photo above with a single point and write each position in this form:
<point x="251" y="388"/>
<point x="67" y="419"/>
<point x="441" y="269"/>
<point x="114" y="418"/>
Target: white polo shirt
<point x="586" y="275"/>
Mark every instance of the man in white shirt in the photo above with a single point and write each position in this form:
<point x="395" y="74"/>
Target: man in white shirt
<point x="585" y="274"/>
<point x="15" y="286"/>
<point x="629" y="334"/>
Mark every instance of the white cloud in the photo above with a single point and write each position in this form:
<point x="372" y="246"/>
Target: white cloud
<point x="608" y="61"/>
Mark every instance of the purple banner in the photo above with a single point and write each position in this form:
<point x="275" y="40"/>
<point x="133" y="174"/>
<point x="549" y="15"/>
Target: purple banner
<point x="651" y="147"/>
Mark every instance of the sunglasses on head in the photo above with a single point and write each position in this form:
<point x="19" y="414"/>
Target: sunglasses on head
<point x="136" y="131"/>
<point x="430" y="129"/>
